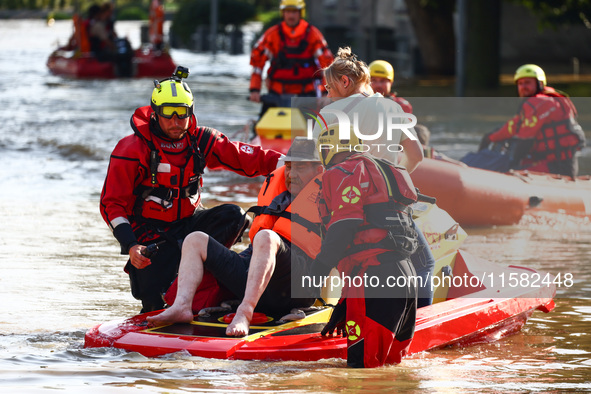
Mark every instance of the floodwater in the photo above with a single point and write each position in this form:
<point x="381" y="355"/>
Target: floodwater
<point x="60" y="271"/>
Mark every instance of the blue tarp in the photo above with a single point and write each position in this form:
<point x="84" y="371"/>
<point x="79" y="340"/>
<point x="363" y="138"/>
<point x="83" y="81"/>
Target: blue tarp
<point x="489" y="160"/>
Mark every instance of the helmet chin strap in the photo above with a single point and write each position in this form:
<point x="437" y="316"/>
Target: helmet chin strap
<point x="155" y="127"/>
<point x="157" y="130"/>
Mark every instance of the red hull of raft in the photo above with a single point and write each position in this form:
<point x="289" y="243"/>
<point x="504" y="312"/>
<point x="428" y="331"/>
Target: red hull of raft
<point x="146" y="64"/>
<point x="475" y="197"/>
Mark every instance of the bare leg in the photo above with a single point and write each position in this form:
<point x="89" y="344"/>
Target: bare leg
<point x="262" y="264"/>
<point x="193" y="255"/>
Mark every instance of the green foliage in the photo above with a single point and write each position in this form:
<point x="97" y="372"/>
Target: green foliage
<point x="553" y="13"/>
<point x="193" y="13"/>
<point x="263" y="6"/>
<point x="60" y="16"/>
<point x="269" y="19"/>
<point x="12" y="4"/>
<point x="66" y="5"/>
<point x="132" y="12"/>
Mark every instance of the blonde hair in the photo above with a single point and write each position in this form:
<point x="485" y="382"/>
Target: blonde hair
<point x="347" y="63"/>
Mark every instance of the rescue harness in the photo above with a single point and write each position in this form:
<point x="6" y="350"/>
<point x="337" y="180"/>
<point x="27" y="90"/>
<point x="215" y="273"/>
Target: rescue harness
<point x="294" y="64"/>
<point x="199" y="148"/>
<point x="393" y="215"/>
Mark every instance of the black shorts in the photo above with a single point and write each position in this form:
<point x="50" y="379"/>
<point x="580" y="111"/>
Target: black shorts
<point x="231" y="270"/>
<point x="224" y="222"/>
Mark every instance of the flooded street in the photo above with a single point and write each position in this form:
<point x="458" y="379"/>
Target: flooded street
<point x="61" y="272"/>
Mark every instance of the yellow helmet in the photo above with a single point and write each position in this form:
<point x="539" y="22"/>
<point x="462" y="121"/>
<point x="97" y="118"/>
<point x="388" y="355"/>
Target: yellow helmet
<point x="330" y="143"/>
<point x="299" y="4"/>
<point x="381" y="68"/>
<point x="530" y="71"/>
<point x="172" y="96"/>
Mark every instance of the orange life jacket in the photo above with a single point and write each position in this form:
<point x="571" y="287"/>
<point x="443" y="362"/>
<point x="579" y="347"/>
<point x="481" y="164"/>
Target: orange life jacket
<point x="299" y="223"/>
<point x="297" y="57"/>
<point x="81" y="34"/>
<point x="295" y="62"/>
<point x="156" y="25"/>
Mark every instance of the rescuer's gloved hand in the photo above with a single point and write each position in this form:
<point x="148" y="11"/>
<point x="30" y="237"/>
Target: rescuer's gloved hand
<point x="337" y="319"/>
<point x="484" y="142"/>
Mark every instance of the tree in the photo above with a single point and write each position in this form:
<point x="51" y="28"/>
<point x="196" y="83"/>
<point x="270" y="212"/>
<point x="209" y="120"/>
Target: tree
<point x="434" y="29"/>
<point x="193" y="13"/>
<point x="482" y="60"/>
<point x="553" y="13"/>
<point x="433" y="25"/>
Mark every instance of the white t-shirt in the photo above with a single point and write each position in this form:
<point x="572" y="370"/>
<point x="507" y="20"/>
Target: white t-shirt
<point x="370" y="114"/>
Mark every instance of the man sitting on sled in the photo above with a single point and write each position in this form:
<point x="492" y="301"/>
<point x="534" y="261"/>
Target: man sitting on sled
<point x="261" y="274"/>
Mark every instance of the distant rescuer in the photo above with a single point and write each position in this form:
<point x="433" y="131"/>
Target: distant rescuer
<point x="382" y="78"/>
<point x="297" y="52"/>
<point x="152" y="188"/>
<point x="545" y="135"/>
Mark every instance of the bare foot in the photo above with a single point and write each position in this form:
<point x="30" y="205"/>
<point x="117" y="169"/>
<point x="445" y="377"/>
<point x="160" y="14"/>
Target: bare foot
<point x="171" y="315"/>
<point x="239" y="326"/>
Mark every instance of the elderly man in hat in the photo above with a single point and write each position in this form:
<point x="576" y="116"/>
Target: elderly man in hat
<point x="262" y="273"/>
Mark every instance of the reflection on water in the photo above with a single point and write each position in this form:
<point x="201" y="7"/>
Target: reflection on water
<point x="60" y="271"/>
<point x="557" y="244"/>
<point x="543" y="357"/>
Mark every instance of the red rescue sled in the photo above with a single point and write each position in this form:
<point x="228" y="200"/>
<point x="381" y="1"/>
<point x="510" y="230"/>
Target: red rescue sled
<point x="482" y="316"/>
<point x="475" y="301"/>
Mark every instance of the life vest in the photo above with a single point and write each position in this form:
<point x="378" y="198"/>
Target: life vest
<point x="388" y="215"/>
<point x="404" y="104"/>
<point x="164" y="196"/>
<point x="560" y="137"/>
<point x="295" y="62"/>
<point x="81" y="34"/>
<point x="301" y="226"/>
<point x="274" y="185"/>
<point x="156" y="24"/>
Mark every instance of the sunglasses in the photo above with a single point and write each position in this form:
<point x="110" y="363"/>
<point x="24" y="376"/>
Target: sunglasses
<point x="167" y="111"/>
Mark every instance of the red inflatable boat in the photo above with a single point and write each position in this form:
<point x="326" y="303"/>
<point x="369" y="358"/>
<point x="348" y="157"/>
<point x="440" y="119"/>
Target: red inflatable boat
<point x="476" y="197"/>
<point x="146" y="63"/>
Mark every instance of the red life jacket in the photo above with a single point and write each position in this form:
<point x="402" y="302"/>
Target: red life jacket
<point x="165" y="195"/>
<point x="388" y="216"/>
<point x="302" y="226"/>
<point x="562" y="135"/>
<point x="404" y="104"/>
<point x="295" y="62"/>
